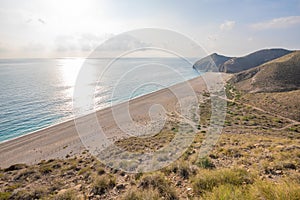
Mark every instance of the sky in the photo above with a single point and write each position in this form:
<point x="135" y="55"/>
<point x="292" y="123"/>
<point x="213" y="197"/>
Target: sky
<point x="69" y="28"/>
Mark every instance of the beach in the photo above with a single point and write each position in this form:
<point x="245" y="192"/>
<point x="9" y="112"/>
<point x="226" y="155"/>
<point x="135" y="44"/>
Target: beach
<point x="61" y="140"/>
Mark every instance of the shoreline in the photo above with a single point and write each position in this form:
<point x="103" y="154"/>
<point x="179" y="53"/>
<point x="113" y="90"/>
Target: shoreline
<point x="87" y="113"/>
<point x="62" y="139"/>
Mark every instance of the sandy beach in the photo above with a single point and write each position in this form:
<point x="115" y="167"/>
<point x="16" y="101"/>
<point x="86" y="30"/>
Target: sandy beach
<point x="60" y="140"/>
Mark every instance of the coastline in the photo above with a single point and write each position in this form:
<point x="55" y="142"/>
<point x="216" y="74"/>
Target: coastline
<point x="83" y="115"/>
<point x="62" y="139"/>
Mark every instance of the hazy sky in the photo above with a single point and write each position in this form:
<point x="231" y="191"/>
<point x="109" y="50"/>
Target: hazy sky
<point x="49" y="28"/>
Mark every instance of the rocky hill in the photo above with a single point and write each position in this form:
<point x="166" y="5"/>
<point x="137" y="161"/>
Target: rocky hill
<point x="211" y="63"/>
<point x="282" y="74"/>
<point x="221" y="63"/>
<point x="255" y="59"/>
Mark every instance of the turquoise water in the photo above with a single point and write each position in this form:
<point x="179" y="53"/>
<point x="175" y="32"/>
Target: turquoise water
<point x="36" y="93"/>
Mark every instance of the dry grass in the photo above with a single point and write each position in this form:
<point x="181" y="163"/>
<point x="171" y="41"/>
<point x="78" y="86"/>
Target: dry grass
<point x="256" y="157"/>
<point x="206" y="180"/>
<point x="286" y="104"/>
<point x="283" y="190"/>
<point x="279" y="75"/>
<point x="146" y="144"/>
<point x="138" y="194"/>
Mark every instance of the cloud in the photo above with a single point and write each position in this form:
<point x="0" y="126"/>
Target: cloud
<point x="35" y="20"/>
<point x="85" y="42"/>
<point x="65" y="43"/>
<point x="41" y="21"/>
<point x="213" y="37"/>
<point x="33" y="47"/>
<point x="250" y="39"/>
<point x="277" y="23"/>
<point x="3" y="48"/>
<point x="124" y="42"/>
<point x="227" y="25"/>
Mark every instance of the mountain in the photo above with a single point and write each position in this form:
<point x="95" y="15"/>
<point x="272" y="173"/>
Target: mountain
<point x="210" y="63"/>
<point x="282" y="74"/>
<point x="255" y="59"/>
<point x="220" y="63"/>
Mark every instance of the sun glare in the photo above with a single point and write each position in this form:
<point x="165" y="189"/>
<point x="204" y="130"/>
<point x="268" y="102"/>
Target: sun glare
<point x="69" y="69"/>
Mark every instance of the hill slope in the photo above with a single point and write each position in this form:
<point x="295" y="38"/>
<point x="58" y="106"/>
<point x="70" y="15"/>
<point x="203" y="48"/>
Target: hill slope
<point x="210" y="63"/>
<point x="220" y="63"/>
<point x="255" y="59"/>
<point x="282" y="74"/>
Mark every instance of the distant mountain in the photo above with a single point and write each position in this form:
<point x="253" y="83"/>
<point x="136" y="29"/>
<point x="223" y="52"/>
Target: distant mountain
<point x="210" y="63"/>
<point x="255" y="59"/>
<point x="282" y="74"/>
<point x="219" y="63"/>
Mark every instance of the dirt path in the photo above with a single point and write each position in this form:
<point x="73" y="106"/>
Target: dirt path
<point x="292" y="121"/>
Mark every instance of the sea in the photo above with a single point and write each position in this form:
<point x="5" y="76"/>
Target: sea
<point x="38" y="93"/>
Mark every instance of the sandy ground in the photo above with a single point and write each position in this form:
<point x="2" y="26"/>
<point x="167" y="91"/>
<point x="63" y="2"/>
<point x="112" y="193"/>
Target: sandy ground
<point x="62" y="139"/>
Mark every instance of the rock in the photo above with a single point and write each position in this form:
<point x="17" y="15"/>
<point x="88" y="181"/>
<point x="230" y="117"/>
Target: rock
<point x="278" y="172"/>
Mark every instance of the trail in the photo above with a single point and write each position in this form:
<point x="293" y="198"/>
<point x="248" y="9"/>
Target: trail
<point x="292" y="121"/>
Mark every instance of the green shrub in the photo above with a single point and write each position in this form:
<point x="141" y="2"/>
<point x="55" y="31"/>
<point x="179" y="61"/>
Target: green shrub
<point x="138" y="175"/>
<point x="205" y="163"/>
<point x="268" y="190"/>
<point x="26" y="173"/>
<point x="15" y="167"/>
<point x="35" y="193"/>
<point x="285" y="190"/>
<point x="227" y="191"/>
<point x="208" y="179"/>
<point x="102" y="184"/>
<point x="158" y="182"/>
<point x="5" y="195"/>
<point x="100" y="171"/>
<point x="184" y="171"/>
<point x="198" y="126"/>
<point x="84" y="170"/>
<point x="46" y="169"/>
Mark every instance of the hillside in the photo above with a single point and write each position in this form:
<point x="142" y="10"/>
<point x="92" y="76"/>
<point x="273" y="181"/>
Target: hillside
<point x="282" y="74"/>
<point x="255" y="59"/>
<point x="256" y="157"/>
<point x="285" y="104"/>
<point x="210" y="63"/>
<point x="215" y="62"/>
